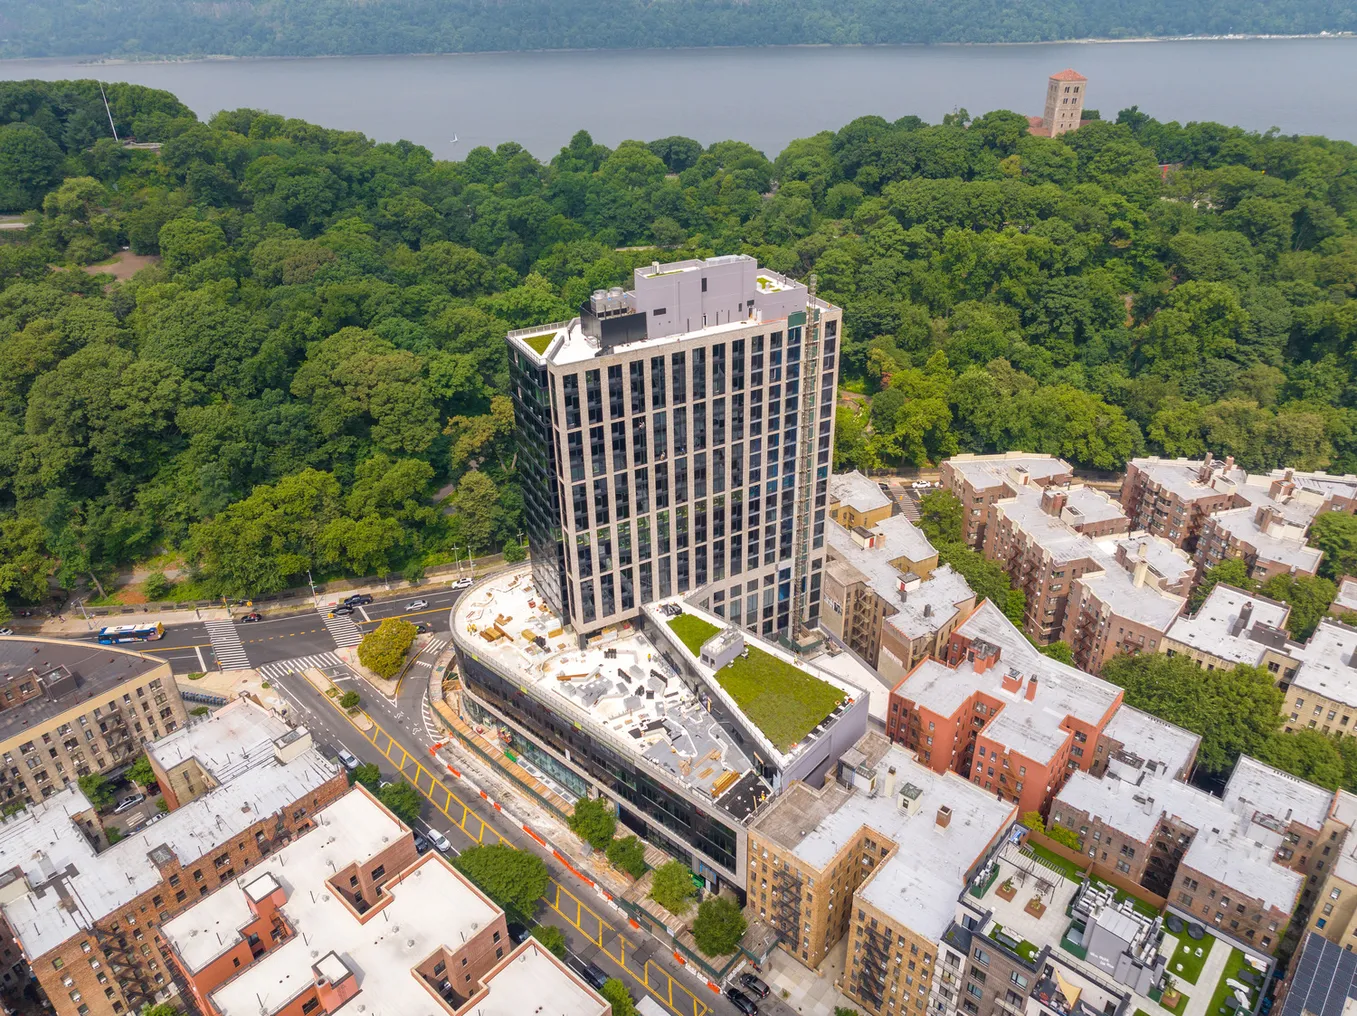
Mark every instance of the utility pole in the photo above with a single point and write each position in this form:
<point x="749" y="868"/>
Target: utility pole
<point x="315" y="600"/>
<point x="455" y="561"/>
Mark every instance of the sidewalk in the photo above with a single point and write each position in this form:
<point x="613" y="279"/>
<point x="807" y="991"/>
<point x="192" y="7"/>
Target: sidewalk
<point x="290" y="602"/>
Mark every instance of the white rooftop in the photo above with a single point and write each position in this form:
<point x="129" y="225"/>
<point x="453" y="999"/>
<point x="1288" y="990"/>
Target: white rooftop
<point x="532" y="982"/>
<point x="1144" y="604"/>
<point x="1217" y="628"/>
<point x="1152" y="739"/>
<point x="1237" y="836"/>
<point x="46" y="844"/>
<point x="857" y="491"/>
<point x="1181" y="477"/>
<point x="1165" y="560"/>
<point x="1282" y="543"/>
<point x="920" y="882"/>
<point x="1347" y="595"/>
<point x="1034" y="729"/>
<point x="920" y="611"/>
<point x="1327" y="666"/>
<point x="429" y="906"/>
<point x="224" y="742"/>
<point x="985" y="471"/>
<point x="1320" y="482"/>
<point x="1056" y="534"/>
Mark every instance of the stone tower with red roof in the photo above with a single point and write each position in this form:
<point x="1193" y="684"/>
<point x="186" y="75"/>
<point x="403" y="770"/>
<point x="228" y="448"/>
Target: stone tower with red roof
<point x="1064" y="104"/>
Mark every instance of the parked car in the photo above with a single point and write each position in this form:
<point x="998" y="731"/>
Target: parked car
<point x="921" y="484"/>
<point x="358" y="600"/>
<point x="349" y="759"/>
<point x="591" y="972"/>
<point x="343" y="610"/>
<point x="754" y="984"/>
<point x="422" y="845"/>
<point x="251" y="618"/>
<point x="416" y="604"/>
<point x="462" y="584"/>
<point x="518" y="933"/>
<point x="130" y="801"/>
<point x="6" y="631"/>
<point x="440" y="841"/>
<point x="742" y="1002"/>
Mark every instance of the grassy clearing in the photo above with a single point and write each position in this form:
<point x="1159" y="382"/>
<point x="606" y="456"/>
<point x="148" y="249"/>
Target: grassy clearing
<point x="538" y="343"/>
<point x="783" y="701"/>
<point x="1223" y="990"/>
<point x="1186" y="965"/>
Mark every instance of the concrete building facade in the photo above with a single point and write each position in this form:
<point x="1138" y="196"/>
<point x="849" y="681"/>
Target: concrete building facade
<point x="71" y="708"/>
<point x="856" y="500"/>
<point x="679" y="437"/>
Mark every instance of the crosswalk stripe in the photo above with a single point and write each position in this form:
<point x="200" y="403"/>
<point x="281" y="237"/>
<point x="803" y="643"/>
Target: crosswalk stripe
<point x="280" y="668"/>
<point x="226" y="645"/>
<point x="342" y="630"/>
<point x="437" y="645"/>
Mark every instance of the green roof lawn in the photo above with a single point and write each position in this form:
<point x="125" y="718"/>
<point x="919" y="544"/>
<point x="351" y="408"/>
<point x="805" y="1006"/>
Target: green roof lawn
<point x="1185" y="964"/>
<point x="780" y="699"/>
<point x="539" y="343"/>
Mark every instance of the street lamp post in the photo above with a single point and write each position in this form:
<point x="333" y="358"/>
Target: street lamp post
<point x="314" y="598"/>
<point x="456" y="562"/>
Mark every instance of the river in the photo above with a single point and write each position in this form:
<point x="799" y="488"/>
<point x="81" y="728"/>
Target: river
<point x="764" y="96"/>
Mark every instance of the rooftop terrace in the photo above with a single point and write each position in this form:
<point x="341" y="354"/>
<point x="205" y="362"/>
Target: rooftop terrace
<point x="619" y="685"/>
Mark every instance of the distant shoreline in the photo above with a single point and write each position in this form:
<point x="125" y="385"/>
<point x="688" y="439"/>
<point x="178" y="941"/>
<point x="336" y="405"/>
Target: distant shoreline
<point x="97" y="61"/>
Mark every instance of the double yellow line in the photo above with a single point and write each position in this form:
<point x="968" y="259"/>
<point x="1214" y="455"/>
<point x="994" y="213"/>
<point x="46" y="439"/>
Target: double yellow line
<point x="658" y="981"/>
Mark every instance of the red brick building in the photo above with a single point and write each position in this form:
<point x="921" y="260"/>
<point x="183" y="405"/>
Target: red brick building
<point x="350" y="918"/>
<point x="998" y="712"/>
<point x="978" y="481"/>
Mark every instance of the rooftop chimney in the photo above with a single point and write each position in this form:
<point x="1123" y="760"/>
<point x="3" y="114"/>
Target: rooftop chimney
<point x="890" y="783"/>
<point x="1229" y="463"/>
<point x="1242" y="622"/>
<point x="1142" y="566"/>
<point x="1031" y="689"/>
<point x="1053" y="501"/>
<point x="1204" y="473"/>
<point x="944" y="816"/>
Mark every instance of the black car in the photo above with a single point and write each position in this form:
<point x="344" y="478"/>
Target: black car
<point x="421" y="628"/>
<point x="518" y="933"/>
<point x="591" y="972"/>
<point x="754" y="984"/>
<point x="252" y="618"/>
<point x="422" y="846"/>
<point x="358" y="600"/>
<point x="742" y="1001"/>
<point x="343" y="610"/>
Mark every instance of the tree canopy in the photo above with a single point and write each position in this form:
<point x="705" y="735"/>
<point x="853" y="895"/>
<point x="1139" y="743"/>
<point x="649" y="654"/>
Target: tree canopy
<point x="514" y="879"/>
<point x="309" y="375"/>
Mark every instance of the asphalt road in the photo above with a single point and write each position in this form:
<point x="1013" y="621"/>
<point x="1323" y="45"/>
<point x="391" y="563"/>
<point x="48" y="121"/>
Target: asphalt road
<point x="201" y="647"/>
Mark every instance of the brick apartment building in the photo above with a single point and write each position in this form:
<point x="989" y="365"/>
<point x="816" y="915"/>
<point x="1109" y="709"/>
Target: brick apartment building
<point x="349" y="917"/>
<point x="1234" y="627"/>
<point x="856" y="500"/>
<point x="879" y="854"/>
<point x="87" y="915"/>
<point x="1173" y="498"/>
<point x="977" y="481"/>
<point x="1001" y="714"/>
<point x="1335" y="915"/>
<point x="1242" y="864"/>
<point x="1044" y="540"/>
<point x="72" y="708"/>
<point x="1129" y="605"/>
<point x="885" y="596"/>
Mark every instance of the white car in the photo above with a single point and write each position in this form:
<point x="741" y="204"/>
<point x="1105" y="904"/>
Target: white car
<point x="439" y="841"/>
<point x="462" y="584"/>
<point x="130" y="801"/>
<point x="10" y="631"/>
<point x="921" y="484"/>
<point x="349" y="759"/>
<point x="416" y="604"/>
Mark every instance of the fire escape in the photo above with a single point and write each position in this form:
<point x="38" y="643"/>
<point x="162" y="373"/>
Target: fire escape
<point x="805" y="464"/>
<point x="870" y="975"/>
<point x="787" y="911"/>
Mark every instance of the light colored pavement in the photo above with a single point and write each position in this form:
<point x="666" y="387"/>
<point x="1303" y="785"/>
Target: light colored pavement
<point x="226" y="647"/>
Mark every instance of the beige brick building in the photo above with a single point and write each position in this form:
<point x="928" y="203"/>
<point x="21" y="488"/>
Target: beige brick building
<point x="886" y="598"/>
<point x="1234" y="627"/>
<point x="856" y="500"/>
<point x="70" y="708"/>
<point x="87" y="915"/>
<point x="879" y="854"/>
<point x="1064" y="102"/>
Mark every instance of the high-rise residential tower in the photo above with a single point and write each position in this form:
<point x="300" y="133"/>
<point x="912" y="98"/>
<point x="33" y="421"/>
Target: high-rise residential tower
<point x="675" y="439"/>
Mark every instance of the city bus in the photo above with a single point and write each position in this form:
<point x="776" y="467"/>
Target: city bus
<point x="130" y="633"/>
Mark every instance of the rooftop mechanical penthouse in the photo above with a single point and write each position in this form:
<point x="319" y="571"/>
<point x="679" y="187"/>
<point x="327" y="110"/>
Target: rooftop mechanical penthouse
<point x="675" y="439"/>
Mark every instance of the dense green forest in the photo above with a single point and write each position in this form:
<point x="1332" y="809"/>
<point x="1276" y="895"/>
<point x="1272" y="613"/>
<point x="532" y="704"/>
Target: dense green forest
<point x="326" y="27"/>
<point x="311" y="373"/>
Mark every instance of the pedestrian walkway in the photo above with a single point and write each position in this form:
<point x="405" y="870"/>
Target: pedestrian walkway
<point x="321" y="661"/>
<point x="342" y="630"/>
<point x="437" y="645"/>
<point x="226" y="645"/>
